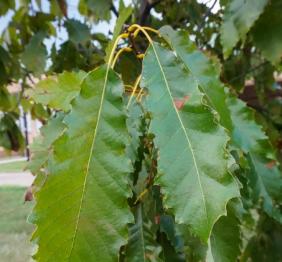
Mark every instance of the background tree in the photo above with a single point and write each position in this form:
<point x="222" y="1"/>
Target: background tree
<point x="243" y="42"/>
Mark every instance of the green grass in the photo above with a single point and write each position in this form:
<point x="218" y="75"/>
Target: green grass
<point x="16" y="166"/>
<point x="14" y="230"/>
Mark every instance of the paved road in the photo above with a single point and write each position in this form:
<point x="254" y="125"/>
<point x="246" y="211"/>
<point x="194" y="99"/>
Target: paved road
<point x="16" y="179"/>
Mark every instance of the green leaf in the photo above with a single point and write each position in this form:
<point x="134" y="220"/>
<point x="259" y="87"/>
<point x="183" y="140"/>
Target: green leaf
<point x="134" y="126"/>
<point x="225" y="239"/>
<point x="9" y="67"/>
<point x="202" y="69"/>
<point x="172" y="243"/>
<point x="123" y="16"/>
<point x="11" y="137"/>
<point x="129" y="60"/>
<point x="267" y="32"/>
<point x="246" y="132"/>
<point x="6" y="5"/>
<point x="41" y="148"/>
<point x="192" y="170"/>
<point x="265" y="177"/>
<point x="142" y="245"/>
<point x="8" y="102"/>
<point x="77" y="31"/>
<point x="194" y="248"/>
<point x="265" y="244"/>
<point x="239" y="16"/>
<point x="35" y="55"/>
<point x="99" y="9"/>
<point x="266" y="182"/>
<point x="81" y="211"/>
<point x="57" y="92"/>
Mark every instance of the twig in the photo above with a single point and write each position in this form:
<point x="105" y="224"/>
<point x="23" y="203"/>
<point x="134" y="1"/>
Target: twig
<point x="114" y="10"/>
<point x="248" y="71"/>
<point x="145" y="10"/>
<point x="206" y="15"/>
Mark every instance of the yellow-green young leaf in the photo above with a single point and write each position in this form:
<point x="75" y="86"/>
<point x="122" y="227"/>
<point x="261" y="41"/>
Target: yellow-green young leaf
<point x="81" y="211"/>
<point x="57" y="92"/>
<point x="41" y="146"/>
<point x="239" y="16"/>
<point x="202" y="69"/>
<point x="192" y="146"/>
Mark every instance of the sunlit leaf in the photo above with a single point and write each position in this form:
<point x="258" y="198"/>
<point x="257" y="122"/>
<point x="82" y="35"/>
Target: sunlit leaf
<point x="57" y="92"/>
<point x="88" y="171"/>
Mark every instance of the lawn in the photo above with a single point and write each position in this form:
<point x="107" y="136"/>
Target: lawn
<point x="15" y="166"/>
<point x="14" y="230"/>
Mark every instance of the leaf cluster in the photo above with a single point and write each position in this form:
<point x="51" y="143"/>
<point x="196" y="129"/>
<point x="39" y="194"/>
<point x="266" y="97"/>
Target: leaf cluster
<point x="169" y="166"/>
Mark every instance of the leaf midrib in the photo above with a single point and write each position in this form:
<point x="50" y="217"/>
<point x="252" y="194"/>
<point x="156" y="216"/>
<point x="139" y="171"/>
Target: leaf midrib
<point x="184" y="130"/>
<point x="89" y="159"/>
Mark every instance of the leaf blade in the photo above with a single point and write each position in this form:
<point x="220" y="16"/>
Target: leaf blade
<point x="199" y="214"/>
<point x="92" y="175"/>
<point x="238" y="18"/>
<point x="202" y="69"/>
<point x="57" y="92"/>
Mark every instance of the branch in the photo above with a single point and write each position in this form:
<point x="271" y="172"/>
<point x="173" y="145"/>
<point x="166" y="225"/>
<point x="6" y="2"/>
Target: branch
<point x="145" y="10"/>
<point x="248" y="71"/>
<point x="114" y="10"/>
<point x="206" y="15"/>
